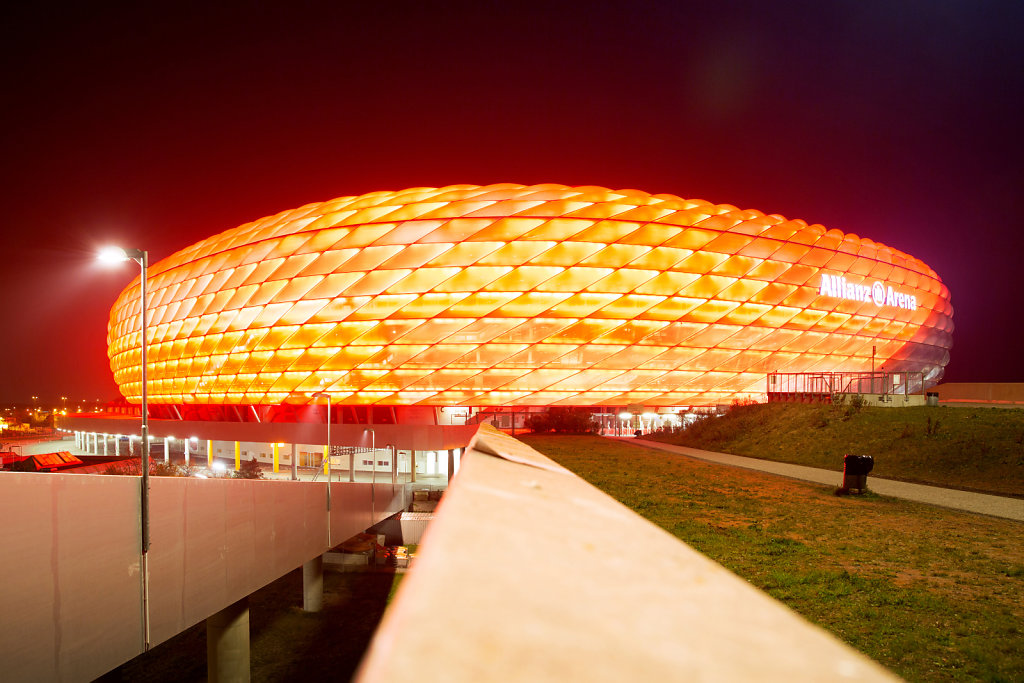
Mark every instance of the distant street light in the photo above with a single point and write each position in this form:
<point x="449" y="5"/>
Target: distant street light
<point x="119" y="255"/>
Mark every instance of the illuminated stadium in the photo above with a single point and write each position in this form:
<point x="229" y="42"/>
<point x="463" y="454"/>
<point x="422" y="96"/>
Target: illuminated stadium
<point x="511" y="295"/>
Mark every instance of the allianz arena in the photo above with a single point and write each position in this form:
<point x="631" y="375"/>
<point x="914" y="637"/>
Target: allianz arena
<point x="508" y="295"/>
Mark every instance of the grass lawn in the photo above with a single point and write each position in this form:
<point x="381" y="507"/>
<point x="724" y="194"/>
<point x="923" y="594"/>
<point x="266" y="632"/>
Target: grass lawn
<point x="286" y="643"/>
<point x="980" y="449"/>
<point x="931" y="593"/>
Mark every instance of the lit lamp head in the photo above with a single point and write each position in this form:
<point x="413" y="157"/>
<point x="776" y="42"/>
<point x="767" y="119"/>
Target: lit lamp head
<point x="118" y="255"/>
<point x="112" y="255"/>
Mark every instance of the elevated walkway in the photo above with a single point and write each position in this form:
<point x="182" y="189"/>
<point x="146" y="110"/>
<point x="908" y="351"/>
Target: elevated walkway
<point x="79" y="598"/>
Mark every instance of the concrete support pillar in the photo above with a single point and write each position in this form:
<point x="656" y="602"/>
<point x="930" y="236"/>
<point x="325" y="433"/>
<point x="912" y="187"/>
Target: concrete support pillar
<point x="117" y="445"/>
<point x="209" y="453"/>
<point x="131" y="446"/>
<point x="238" y="456"/>
<point x="277" y="457"/>
<point x="186" y="451"/>
<point x="95" y="443"/>
<point x="313" y="584"/>
<point x="295" y="461"/>
<point x="227" y="643"/>
<point x="412" y="466"/>
<point x="451" y="463"/>
<point x="167" y="451"/>
<point x="352" y="465"/>
<point x="106" y="438"/>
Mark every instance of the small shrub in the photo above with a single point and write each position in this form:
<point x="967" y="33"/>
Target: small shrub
<point x="161" y="469"/>
<point x="564" y="420"/>
<point x="249" y="469"/>
<point x="133" y="468"/>
<point x="127" y="468"/>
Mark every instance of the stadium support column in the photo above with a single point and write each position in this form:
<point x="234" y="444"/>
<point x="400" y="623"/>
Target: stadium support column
<point x="313" y="584"/>
<point x="106" y="437"/>
<point x="117" y="445"/>
<point x="295" y="461"/>
<point x="412" y="466"/>
<point x="227" y="643"/>
<point x="277" y="457"/>
<point x="209" y="453"/>
<point x="238" y="456"/>
<point x="451" y="463"/>
<point x="167" y="451"/>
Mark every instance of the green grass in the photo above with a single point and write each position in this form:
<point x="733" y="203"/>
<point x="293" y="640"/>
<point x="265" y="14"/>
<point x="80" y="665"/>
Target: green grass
<point x="286" y="643"/>
<point x="934" y="594"/>
<point x="979" y="449"/>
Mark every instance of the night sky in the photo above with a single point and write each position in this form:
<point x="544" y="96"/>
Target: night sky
<point x="157" y="125"/>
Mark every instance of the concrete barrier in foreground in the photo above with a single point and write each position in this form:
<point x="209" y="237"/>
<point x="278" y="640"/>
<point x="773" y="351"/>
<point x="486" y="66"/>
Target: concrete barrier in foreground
<point x="529" y="573"/>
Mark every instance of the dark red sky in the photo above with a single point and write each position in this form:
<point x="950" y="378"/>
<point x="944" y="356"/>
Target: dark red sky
<point x="158" y="125"/>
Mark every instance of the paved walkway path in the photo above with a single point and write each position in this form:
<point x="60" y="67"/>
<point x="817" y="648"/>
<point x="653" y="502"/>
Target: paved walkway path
<point x="982" y="503"/>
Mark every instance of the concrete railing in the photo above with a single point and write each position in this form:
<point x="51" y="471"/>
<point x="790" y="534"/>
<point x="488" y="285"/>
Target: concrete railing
<point x="72" y="598"/>
<point x="529" y="573"/>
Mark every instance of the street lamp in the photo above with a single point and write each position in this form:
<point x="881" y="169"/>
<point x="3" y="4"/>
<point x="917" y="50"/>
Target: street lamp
<point x="324" y="394"/>
<point x="373" y="477"/>
<point x="119" y="255"/>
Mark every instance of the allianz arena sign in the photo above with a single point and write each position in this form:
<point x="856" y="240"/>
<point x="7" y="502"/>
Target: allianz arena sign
<point x="879" y="293"/>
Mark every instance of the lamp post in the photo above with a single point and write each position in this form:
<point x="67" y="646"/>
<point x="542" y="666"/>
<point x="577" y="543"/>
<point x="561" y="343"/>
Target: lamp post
<point x="324" y="394"/>
<point x="373" y="477"/>
<point x="117" y="255"/>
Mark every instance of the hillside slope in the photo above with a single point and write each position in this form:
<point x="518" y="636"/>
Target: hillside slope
<point x="979" y="449"/>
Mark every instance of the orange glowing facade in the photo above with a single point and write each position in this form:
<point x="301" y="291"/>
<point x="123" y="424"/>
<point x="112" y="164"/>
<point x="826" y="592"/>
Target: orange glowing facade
<point x="528" y="295"/>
